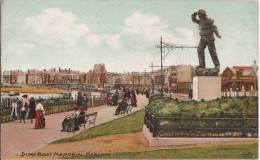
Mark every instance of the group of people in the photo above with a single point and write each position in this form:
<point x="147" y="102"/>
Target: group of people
<point x="31" y="109"/>
<point x="112" y="99"/>
<point x="129" y="95"/>
<point x="72" y="123"/>
<point x="82" y="100"/>
<point x="123" y="106"/>
<point x="146" y="92"/>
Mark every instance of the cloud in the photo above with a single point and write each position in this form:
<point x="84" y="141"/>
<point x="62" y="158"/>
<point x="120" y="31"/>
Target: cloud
<point x="18" y="48"/>
<point x="56" y="28"/>
<point x="186" y="36"/>
<point x="152" y="28"/>
<point x="14" y="52"/>
<point x="111" y="40"/>
<point x="93" y="39"/>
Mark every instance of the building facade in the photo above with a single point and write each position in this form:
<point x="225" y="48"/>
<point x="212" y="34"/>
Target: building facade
<point x="6" y="78"/>
<point x="239" y="78"/>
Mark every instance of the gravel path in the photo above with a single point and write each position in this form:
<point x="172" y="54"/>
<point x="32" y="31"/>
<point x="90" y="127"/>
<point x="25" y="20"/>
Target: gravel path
<point x="19" y="137"/>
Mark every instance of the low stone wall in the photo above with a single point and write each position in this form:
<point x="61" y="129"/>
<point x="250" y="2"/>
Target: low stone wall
<point x="163" y="141"/>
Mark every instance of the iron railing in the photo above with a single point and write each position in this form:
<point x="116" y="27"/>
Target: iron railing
<point x="201" y="127"/>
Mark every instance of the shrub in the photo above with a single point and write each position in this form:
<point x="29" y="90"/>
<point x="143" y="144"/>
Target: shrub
<point x="220" y="108"/>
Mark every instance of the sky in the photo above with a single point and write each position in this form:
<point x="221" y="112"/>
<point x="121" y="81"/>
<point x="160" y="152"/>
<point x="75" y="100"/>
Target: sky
<point x="122" y="34"/>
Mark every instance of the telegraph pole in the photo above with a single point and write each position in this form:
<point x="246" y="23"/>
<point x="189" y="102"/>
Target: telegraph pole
<point x="162" y="81"/>
<point x="152" y="80"/>
<point x="168" y="46"/>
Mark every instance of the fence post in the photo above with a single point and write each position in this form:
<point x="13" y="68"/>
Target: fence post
<point x="151" y="123"/>
<point x="243" y="127"/>
<point x="148" y="120"/>
<point x="155" y="127"/>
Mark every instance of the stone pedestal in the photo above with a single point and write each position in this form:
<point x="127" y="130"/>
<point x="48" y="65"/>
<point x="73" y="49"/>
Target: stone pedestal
<point x="206" y="87"/>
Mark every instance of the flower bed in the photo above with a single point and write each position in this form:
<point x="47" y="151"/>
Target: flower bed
<point x="236" y="107"/>
<point x="225" y="117"/>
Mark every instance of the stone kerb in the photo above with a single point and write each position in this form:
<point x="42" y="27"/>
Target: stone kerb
<point x="166" y="141"/>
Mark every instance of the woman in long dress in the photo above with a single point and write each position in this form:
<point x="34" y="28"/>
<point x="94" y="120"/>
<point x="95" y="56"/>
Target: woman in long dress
<point x="39" y="120"/>
<point x="14" y="111"/>
<point x="32" y="109"/>
<point x="134" y="101"/>
<point x="24" y="108"/>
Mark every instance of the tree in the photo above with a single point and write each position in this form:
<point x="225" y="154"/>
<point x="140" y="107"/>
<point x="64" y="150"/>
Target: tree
<point x="103" y="75"/>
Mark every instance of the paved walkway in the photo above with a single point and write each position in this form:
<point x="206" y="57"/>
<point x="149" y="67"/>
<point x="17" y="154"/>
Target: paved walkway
<point x="19" y="137"/>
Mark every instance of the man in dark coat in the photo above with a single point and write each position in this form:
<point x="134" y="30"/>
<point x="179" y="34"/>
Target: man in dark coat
<point x="122" y="106"/>
<point x="147" y="94"/>
<point x="79" y="99"/>
<point x="85" y="102"/>
<point x="190" y="94"/>
<point x="129" y="94"/>
<point x="115" y="100"/>
<point x="137" y="91"/>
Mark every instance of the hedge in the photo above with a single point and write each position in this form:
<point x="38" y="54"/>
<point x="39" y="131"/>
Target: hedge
<point x="235" y="107"/>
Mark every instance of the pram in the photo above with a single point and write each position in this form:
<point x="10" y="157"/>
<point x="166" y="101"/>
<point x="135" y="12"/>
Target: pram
<point x="68" y="124"/>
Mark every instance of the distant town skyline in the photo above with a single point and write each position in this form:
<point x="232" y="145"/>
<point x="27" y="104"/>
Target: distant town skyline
<point x="122" y="34"/>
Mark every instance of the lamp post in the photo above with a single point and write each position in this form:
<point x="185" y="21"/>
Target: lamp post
<point x="254" y="70"/>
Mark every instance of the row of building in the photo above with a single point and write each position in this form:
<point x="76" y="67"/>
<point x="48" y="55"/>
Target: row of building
<point x="98" y="76"/>
<point x="175" y="79"/>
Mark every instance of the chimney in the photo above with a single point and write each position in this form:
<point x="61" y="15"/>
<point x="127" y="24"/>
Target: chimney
<point x="59" y="68"/>
<point x="69" y="69"/>
<point x="54" y="69"/>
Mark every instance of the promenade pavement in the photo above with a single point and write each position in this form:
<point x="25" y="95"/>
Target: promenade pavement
<point x="18" y="138"/>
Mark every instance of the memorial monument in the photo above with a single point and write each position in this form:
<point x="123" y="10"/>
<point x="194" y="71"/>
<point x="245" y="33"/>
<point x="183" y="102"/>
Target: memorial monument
<point x="207" y="84"/>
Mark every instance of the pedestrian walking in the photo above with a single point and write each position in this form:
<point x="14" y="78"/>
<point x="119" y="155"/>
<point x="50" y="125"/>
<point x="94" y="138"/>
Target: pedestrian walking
<point x="79" y="99"/>
<point x="39" y="120"/>
<point x="32" y="109"/>
<point x="132" y="92"/>
<point x="129" y="94"/>
<point x="134" y="101"/>
<point x="110" y="97"/>
<point x="24" y="108"/>
<point x="115" y="100"/>
<point x="147" y="94"/>
<point x="14" y="111"/>
<point x="190" y="94"/>
<point x="85" y="102"/>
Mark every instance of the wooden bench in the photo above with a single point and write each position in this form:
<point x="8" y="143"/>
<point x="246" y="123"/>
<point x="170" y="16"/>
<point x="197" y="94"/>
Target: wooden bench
<point x="89" y="118"/>
<point x="128" y="109"/>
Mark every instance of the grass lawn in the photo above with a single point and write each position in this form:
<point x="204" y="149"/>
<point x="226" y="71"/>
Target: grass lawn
<point x="215" y="152"/>
<point x="127" y="124"/>
<point x="134" y="122"/>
